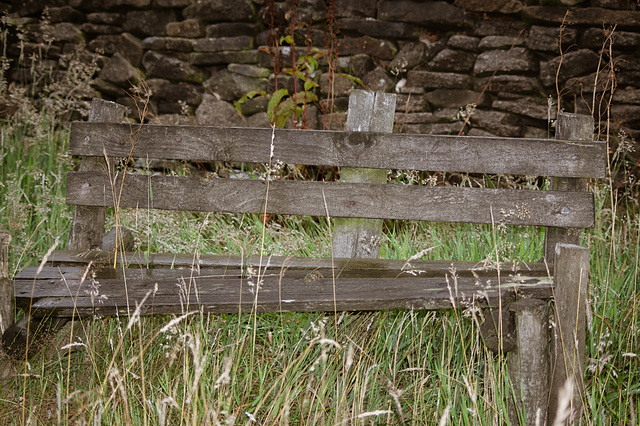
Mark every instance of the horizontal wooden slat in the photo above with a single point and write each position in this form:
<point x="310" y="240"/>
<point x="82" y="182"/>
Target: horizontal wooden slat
<point x="470" y="154"/>
<point x="67" y="298"/>
<point x="337" y="199"/>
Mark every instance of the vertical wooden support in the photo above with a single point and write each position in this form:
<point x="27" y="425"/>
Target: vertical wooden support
<point x="528" y="364"/>
<point x="368" y="112"/>
<point x="568" y="127"/>
<point x="7" y="299"/>
<point x="87" y="226"/>
<point x="569" y="332"/>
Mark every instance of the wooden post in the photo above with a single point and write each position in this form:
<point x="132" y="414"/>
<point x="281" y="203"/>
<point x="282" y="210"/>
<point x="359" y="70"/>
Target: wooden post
<point x="7" y="299"/>
<point x="529" y="364"/>
<point x="569" y="331"/>
<point x="568" y="127"/>
<point x="87" y="226"/>
<point x="368" y="112"/>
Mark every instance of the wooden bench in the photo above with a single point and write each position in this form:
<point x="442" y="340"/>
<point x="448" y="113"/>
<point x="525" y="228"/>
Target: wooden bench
<point x="353" y="279"/>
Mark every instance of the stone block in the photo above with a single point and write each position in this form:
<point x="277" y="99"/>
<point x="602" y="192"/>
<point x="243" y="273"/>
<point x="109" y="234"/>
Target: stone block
<point x="411" y="103"/>
<point x="259" y="120"/>
<point x="378" y="81"/>
<point x="499" y="123"/>
<point x="594" y="38"/>
<point x="215" y="112"/>
<point x="487" y="27"/>
<point x="410" y="56"/>
<point x="255" y="105"/>
<point x="120" y="72"/>
<point x="341" y="85"/>
<point x="499" y="42"/>
<point x="628" y="70"/>
<point x="248" y="70"/>
<point x="537" y="108"/>
<point x="217" y="58"/>
<point x="614" y="4"/>
<point x="66" y="32"/>
<point x="588" y="16"/>
<point x="508" y="84"/>
<point x="424" y="13"/>
<point x="379" y="28"/>
<point x="437" y="80"/>
<point x="166" y="90"/>
<point x="453" y="60"/>
<point x="172" y="3"/>
<point x="168" y="43"/>
<point x="377" y="48"/>
<point x="628" y="96"/>
<point x="514" y="61"/>
<point x="572" y="64"/>
<point x="191" y="28"/>
<point x="106" y="18"/>
<point x="148" y="22"/>
<point x="355" y="8"/>
<point x="65" y="14"/>
<point x="89" y="28"/>
<point x="230" y="86"/>
<point x="131" y="48"/>
<point x="230" y="29"/>
<point x="223" y="44"/>
<point x="463" y="42"/>
<point x="113" y="4"/>
<point x="546" y="38"/>
<point x="357" y="65"/>
<point x="498" y="6"/>
<point x="220" y="10"/>
<point x="171" y="68"/>
<point x="455" y="98"/>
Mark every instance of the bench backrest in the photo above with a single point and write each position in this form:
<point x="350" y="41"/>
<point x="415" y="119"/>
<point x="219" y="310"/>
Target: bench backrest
<point x="562" y="159"/>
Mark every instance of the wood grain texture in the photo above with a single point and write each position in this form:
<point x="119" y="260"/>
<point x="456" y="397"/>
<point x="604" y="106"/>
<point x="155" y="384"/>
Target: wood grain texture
<point x="278" y="294"/>
<point x="579" y="127"/>
<point x="370" y="201"/>
<point x="361" y="238"/>
<point x="470" y="154"/>
<point x="87" y="224"/>
<point x="7" y="297"/>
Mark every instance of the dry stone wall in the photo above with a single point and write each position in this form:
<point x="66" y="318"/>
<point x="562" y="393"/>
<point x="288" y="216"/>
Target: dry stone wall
<point x="474" y="66"/>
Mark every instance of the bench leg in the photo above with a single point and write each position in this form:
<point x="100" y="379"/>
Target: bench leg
<point x="528" y="364"/>
<point x="569" y="328"/>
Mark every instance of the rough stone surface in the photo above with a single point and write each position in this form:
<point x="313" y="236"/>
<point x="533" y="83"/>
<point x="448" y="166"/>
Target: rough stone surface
<point x="594" y="38"/>
<point x="164" y="89"/>
<point x="170" y="68"/>
<point x="377" y="48"/>
<point x="423" y="13"/>
<point x="499" y="123"/>
<point x="594" y="16"/>
<point x="516" y="60"/>
<point x="355" y="8"/>
<point x="499" y="42"/>
<point x="453" y="60"/>
<point x="249" y="70"/>
<point x="547" y="39"/>
<point x="572" y="64"/>
<point x="230" y="86"/>
<point x="216" y="58"/>
<point x="230" y="29"/>
<point x="356" y="65"/>
<point x="193" y="28"/>
<point x="168" y="43"/>
<point x="454" y="98"/>
<point x="220" y="10"/>
<point x="529" y="107"/>
<point x="379" y="28"/>
<point x="120" y="72"/>
<point x="507" y="83"/>
<point x="342" y="85"/>
<point x="463" y="42"/>
<point x="223" y="44"/>
<point x="148" y="22"/>
<point x="437" y="80"/>
<point x="378" y="81"/>
<point x="500" y="6"/>
<point x="65" y="14"/>
<point x="215" y="112"/>
<point x="410" y="56"/>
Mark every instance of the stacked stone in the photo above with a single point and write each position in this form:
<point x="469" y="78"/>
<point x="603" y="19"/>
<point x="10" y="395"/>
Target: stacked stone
<point x="466" y="66"/>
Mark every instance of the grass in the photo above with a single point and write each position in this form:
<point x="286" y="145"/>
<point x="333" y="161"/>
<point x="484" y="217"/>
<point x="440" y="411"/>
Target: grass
<point x="366" y="368"/>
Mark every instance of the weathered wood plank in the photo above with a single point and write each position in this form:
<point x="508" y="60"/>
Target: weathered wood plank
<point x="368" y="112"/>
<point x="286" y="295"/>
<point x="7" y="304"/>
<point x="183" y="263"/>
<point x="577" y="127"/>
<point x="470" y="154"/>
<point x="370" y="201"/>
<point x="87" y="225"/>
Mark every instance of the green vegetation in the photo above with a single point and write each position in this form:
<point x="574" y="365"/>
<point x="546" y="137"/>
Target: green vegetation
<point x="380" y="368"/>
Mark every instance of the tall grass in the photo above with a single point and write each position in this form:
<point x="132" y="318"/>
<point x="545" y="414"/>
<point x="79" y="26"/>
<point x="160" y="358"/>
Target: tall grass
<point x="359" y="368"/>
